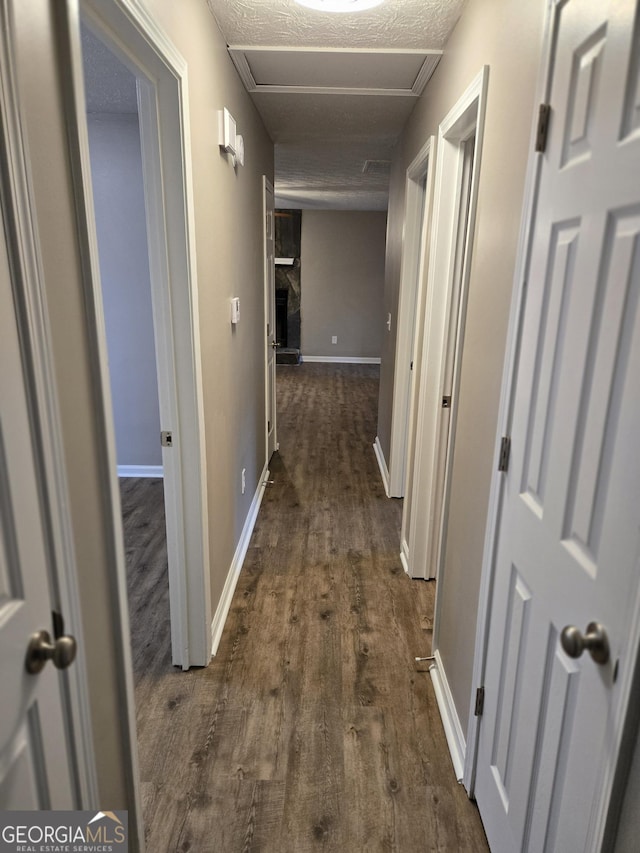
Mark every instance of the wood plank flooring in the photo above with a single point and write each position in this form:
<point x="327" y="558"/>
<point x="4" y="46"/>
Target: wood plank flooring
<point x="312" y="729"/>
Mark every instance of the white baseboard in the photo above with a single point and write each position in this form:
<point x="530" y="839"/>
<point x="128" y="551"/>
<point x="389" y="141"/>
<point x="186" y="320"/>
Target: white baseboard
<point x="222" y="610"/>
<point x="339" y="359"/>
<point x="404" y="556"/>
<point x="450" y="720"/>
<point x="384" y="471"/>
<point x="140" y="471"/>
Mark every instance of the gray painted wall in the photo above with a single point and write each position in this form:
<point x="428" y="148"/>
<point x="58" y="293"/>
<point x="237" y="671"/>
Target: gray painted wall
<point x="116" y="171"/>
<point x="477" y="40"/>
<point x="342" y="265"/>
<point x="228" y="209"/>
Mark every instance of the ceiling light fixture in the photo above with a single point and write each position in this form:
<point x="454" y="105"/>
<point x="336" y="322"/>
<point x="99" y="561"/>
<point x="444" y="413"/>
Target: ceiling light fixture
<point x="339" y="5"/>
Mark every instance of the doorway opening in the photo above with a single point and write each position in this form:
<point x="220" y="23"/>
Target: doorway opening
<point x="418" y="195"/>
<point x="288" y="231"/>
<point x="454" y="210"/>
<point x="418" y="190"/>
<point x="159" y="74"/>
<point x="123" y="250"/>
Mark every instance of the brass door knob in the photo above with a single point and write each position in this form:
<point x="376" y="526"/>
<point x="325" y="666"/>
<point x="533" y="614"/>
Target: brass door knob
<point x="595" y="641"/>
<point x="40" y="649"/>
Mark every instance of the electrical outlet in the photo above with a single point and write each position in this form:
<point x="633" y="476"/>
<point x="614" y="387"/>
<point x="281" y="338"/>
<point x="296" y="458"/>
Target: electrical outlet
<point x="244" y="479"/>
<point x="334" y="339"/>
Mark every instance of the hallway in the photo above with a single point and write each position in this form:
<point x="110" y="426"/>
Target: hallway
<point x="311" y="728"/>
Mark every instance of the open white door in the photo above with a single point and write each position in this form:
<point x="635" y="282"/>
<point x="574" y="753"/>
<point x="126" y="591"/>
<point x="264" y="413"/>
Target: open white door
<point x="418" y="187"/>
<point x="270" y="317"/>
<point x="452" y="231"/>
<point x="567" y="537"/>
<point x="46" y="754"/>
<point x="35" y="771"/>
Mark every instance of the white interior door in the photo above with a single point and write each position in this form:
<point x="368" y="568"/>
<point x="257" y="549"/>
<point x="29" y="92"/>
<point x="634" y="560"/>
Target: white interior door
<point x="452" y="229"/>
<point x="417" y="192"/>
<point x="270" y="313"/>
<point x="34" y="751"/>
<point x="568" y="536"/>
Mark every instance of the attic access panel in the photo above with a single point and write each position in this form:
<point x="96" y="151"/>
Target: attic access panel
<point x="334" y="70"/>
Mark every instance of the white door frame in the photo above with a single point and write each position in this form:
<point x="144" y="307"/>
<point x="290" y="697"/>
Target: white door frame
<point x="534" y="166"/>
<point x="623" y="744"/>
<point x="19" y="215"/>
<point x="433" y="444"/>
<point x="412" y="273"/>
<point x="271" y="413"/>
<point x="163" y="102"/>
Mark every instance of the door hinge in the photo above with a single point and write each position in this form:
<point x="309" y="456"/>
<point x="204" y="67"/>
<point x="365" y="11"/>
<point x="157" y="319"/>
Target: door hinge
<point x="268" y="426"/>
<point x="544" y="113"/>
<point x="411" y="366"/>
<point x="446" y="402"/>
<point x="505" y="450"/>
<point x="166" y="439"/>
<point x="479" y="702"/>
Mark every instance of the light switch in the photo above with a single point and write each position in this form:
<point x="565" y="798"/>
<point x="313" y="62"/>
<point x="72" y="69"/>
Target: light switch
<point x="227" y="131"/>
<point x="235" y="310"/>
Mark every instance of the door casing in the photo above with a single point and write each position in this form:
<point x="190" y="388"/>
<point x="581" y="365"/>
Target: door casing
<point x="271" y="413"/>
<point x="410" y="300"/>
<point x="433" y="443"/>
<point x="161" y="71"/>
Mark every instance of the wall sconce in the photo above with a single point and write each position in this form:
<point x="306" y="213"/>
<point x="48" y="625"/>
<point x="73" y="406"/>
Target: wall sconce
<point x="228" y="139"/>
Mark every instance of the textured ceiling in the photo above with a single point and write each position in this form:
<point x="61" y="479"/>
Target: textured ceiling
<point x="323" y="140"/>
<point x="396" y="23"/>
<point x="109" y="86"/>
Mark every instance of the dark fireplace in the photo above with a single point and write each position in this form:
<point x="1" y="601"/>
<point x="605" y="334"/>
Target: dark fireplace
<point x="282" y="301"/>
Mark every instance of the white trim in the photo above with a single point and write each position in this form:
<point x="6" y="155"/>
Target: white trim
<point x="388" y="51"/>
<point x="333" y="90"/>
<point x="222" y="610"/>
<point x="433" y="447"/>
<point x="404" y="555"/>
<point x="140" y="471"/>
<point x="36" y="335"/>
<point x="339" y="359"/>
<point x="449" y="715"/>
<point x="382" y="465"/>
<point x="269" y="285"/>
<point x="166" y="147"/>
<point x="78" y="143"/>
<point x="410" y="310"/>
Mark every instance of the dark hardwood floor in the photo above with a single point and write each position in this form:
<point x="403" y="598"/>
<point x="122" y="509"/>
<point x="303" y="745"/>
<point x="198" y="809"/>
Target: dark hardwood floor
<point x="312" y="729"/>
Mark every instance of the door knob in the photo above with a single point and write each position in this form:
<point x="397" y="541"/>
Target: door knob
<point x="595" y="641"/>
<point x="40" y="649"/>
<point x="275" y="345"/>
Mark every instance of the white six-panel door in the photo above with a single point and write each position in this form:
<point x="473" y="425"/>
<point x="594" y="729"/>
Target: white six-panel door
<point x="568" y="534"/>
<point x="34" y="762"/>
